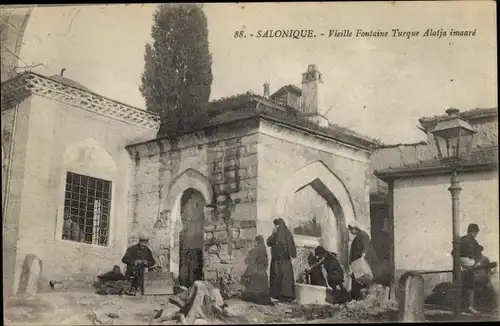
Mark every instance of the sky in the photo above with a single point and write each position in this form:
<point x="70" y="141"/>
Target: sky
<point x="376" y="86"/>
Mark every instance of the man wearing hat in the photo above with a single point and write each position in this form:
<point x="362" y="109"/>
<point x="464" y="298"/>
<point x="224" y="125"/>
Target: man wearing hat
<point x="470" y="254"/>
<point x="137" y="258"/>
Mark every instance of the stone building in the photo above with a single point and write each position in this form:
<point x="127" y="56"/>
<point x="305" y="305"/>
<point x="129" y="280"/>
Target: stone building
<point x="411" y="197"/>
<point x="211" y="190"/>
<point x="63" y="147"/>
<point x="244" y="167"/>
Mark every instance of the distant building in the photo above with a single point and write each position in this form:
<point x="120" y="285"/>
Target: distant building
<point x="411" y="198"/>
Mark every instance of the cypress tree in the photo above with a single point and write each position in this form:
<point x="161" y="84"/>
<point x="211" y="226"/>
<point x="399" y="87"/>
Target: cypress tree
<point x="177" y="75"/>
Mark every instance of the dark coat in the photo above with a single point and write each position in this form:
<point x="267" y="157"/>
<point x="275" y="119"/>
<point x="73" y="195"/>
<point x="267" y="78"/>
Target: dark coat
<point x="281" y="278"/>
<point x="361" y="245"/>
<point x="334" y="272"/>
<point x="111" y="277"/>
<point x="469" y="248"/>
<point x="316" y="276"/>
<point x="137" y="252"/>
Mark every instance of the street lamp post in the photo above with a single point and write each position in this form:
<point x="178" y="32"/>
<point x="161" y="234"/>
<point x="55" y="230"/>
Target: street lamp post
<point x="453" y="136"/>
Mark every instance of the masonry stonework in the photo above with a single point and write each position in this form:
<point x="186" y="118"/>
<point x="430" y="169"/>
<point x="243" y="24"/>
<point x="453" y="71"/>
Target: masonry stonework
<point x="243" y="168"/>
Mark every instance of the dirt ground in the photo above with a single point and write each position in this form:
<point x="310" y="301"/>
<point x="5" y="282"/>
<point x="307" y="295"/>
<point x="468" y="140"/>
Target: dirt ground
<point x="82" y="308"/>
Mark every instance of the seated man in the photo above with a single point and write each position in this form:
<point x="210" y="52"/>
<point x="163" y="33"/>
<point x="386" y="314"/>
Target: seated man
<point x="112" y="282"/>
<point x="138" y="258"/>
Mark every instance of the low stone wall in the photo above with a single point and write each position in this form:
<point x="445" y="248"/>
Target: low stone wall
<point x="430" y="280"/>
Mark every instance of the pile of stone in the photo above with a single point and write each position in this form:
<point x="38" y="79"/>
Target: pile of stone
<point x="375" y="307"/>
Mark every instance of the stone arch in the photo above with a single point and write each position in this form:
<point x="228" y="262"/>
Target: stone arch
<point x="189" y="179"/>
<point x="329" y="186"/>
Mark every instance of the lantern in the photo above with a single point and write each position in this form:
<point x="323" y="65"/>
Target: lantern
<point x="453" y="136"/>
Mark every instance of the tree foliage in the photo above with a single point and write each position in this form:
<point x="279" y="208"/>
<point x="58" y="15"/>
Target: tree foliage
<point x="177" y="75"/>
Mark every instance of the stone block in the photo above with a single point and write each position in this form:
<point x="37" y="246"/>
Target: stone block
<point x="240" y="244"/>
<point x="217" y="177"/>
<point x="214" y="259"/>
<point x="249" y="183"/>
<point x="220" y="235"/>
<point x="208" y="236"/>
<point x="233" y="187"/>
<point x="218" y="166"/>
<point x="210" y="274"/>
<point x="253" y="148"/>
<point x="30" y="275"/>
<point x="251" y="171"/>
<point x="231" y="174"/>
<point x="251" y="196"/>
<point x="248" y="233"/>
<point x="209" y="227"/>
<point x="232" y="163"/>
<point x="213" y="249"/>
<point x="245" y="224"/>
<point x="249" y="160"/>
<point x="232" y="142"/>
<point x="236" y="233"/>
<point x="221" y="216"/>
<point x="242" y="173"/>
<point x="224" y="250"/>
<point x="242" y="150"/>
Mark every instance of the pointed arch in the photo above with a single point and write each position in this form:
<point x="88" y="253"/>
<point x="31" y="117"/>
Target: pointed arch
<point x="333" y="190"/>
<point x="189" y="179"/>
<point x="318" y="175"/>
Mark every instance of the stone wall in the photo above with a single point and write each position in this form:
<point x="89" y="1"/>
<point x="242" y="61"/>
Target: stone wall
<point x="51" y="139"/>
<point x="242" y="170"/>
<point x="222" y="165"/>
<point x="289" y="160"/>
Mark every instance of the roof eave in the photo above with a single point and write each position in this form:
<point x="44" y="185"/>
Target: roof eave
<point x="474" y="114"/>
<point x="412" y="172"/>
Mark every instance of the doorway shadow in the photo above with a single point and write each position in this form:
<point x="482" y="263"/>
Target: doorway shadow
<point x="255" y="278"/>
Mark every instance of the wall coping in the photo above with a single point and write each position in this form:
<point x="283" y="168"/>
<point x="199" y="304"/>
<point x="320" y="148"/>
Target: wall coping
<point x="17" y="89"/>
<point x="415" y="172"/>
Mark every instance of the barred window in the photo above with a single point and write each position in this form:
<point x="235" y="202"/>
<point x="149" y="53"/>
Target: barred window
<point x="86" y="209"/>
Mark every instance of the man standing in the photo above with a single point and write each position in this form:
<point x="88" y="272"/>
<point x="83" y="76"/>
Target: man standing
<point x="71" y="229"/>
<point x="470" y="254"/>
<point x="137" y="258"/>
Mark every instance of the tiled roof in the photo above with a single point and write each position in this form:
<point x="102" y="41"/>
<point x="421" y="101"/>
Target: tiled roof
<point x="476" y="113"/>
<point x="486" y="156"/>
<point x="249" y="105"/>
<point x="290" y="87"/>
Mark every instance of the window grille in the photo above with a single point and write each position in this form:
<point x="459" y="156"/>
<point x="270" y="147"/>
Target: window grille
<point x="86" y="209"/>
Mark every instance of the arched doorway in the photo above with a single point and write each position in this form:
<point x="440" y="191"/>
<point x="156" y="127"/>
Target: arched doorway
<point x="191" y="180"/>
<point x="191" y="237"/>
<point x="332" y="233"/>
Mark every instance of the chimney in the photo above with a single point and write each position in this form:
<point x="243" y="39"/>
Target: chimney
<point x="312" y="104"/>
<point x="266" y="90"/>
